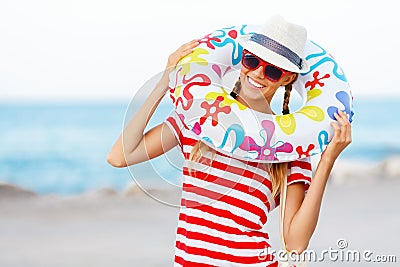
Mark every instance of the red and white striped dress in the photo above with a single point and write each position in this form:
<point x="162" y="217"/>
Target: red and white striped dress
<point x="224" y="206"/>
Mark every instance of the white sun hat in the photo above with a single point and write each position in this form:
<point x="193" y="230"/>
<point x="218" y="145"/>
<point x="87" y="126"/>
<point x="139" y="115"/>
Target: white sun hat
<point x="280" y="43"/>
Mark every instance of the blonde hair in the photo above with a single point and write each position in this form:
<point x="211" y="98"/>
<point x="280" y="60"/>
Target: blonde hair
<point x="278" y="172"/>
<point x="197" y="153"/>
<point x="198" y="150"/>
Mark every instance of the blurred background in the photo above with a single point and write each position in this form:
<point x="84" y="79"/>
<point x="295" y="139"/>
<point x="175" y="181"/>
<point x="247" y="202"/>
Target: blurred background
<point x="69" y="71"/>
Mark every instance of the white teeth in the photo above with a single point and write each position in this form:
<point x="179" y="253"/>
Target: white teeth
<point x="256" y="84"/>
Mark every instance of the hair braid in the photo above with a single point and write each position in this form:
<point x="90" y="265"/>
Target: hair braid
<point x="278" y="171"/>
<point x="236" y="89"/>
<point x="286" y="99"/>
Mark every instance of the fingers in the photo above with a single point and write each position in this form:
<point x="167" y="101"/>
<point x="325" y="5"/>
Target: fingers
<point x="188" y="48"/>
<point x="336" y="130"/>
<point x="342" y="128"/>
<point x="181" y="52"/>
<point x="341" y="137"/>
<point x="190" y="45"/>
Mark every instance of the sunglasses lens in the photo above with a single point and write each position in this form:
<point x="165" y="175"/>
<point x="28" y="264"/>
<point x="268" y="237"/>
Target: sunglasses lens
<point x="273" y="73"/>
<point x="250" y="61"/>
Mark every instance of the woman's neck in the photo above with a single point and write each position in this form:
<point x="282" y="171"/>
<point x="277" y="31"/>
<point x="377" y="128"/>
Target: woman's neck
<point x="260" y="105"/>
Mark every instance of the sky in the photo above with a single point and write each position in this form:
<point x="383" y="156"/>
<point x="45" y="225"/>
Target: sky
<point x="104" y="50"/>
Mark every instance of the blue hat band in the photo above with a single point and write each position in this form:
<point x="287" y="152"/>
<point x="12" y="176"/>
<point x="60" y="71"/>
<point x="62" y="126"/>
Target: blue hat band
<point x="277" y="48"/>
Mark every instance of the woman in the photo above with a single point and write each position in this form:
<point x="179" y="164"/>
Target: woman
<point x="225" y="201"/>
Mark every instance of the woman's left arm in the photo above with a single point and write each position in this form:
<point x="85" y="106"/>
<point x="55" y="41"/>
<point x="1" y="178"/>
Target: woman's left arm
<point x="302" y="211"/>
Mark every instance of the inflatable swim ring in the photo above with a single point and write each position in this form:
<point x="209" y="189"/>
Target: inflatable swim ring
<point x="200" y="87"/>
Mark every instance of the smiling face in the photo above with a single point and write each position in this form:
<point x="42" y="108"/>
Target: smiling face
<point x="256" y="90"/>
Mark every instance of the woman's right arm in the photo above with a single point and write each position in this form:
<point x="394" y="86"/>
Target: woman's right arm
<point x="133" y="145"/>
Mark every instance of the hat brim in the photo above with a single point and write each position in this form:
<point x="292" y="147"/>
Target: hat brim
<point x="270" y="56"/>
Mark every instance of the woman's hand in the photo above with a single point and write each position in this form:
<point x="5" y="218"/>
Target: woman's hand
<point x="181" y="52"/>
<point x="173" y="60"/>
<point x="342" y="136"/>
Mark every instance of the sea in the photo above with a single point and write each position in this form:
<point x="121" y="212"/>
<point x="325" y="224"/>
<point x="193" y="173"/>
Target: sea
<point x="60" y="148"/>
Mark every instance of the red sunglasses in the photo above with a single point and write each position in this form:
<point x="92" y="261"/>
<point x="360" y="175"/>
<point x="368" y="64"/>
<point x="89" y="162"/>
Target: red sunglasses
<point x="271" y="72"/>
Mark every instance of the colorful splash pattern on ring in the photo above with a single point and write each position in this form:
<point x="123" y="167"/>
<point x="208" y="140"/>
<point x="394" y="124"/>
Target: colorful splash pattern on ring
<point x="200" y="87"/>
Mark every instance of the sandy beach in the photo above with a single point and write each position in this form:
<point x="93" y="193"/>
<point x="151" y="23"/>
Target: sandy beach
<point x="129" y="228"/>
